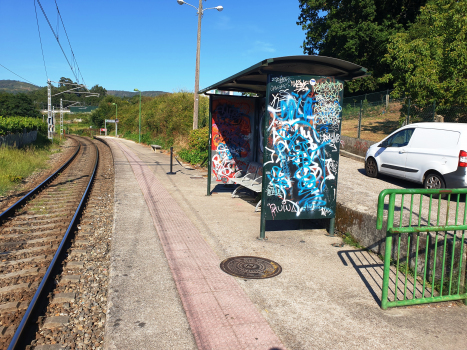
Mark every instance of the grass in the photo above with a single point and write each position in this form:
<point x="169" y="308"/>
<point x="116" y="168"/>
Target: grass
<point x="377" y="121"/>
<point x="347" y="239"/>
<point x="18" y="164"/>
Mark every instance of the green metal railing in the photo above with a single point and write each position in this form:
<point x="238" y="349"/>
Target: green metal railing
<point x="423" y="272"/>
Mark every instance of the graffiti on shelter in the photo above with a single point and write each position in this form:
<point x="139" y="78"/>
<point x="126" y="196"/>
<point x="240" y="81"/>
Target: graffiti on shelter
<point x="231" y="137"/>
<point x="303" y="139"/>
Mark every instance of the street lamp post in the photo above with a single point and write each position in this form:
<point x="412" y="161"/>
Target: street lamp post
<point x="139" y="114"/>
<point x="116" y="118"/>
<point x="200" y="13"/>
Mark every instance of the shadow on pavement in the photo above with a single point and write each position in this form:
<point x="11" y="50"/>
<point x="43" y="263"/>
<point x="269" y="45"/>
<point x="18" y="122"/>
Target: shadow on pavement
<point x="368" y="268"/>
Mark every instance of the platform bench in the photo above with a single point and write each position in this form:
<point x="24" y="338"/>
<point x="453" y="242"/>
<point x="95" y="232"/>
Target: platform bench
<point x="155" y="147"/>
<point x="252" y="180"/>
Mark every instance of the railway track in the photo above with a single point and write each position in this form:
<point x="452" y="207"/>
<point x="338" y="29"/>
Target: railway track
<point x="33" y="243"/>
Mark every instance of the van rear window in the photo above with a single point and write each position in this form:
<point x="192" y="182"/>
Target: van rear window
<point x="434" y="138"/>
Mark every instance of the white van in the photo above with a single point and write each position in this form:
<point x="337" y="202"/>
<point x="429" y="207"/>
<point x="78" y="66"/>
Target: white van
<point x="433" y="154"/>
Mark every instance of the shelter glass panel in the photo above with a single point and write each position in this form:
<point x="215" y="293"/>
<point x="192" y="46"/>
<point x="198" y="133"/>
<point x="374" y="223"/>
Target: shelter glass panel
<point x="232" y="146"/>
<point x="301" y="148"/>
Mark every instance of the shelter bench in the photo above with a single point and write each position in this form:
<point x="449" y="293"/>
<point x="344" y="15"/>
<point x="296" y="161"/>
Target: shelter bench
<point x="252" y="180"/>
<point x="155" y="147"/>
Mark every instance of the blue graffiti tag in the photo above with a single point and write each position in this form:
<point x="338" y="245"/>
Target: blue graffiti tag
<point x="300" y="131"/>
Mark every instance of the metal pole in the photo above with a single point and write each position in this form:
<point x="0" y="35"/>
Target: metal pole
<point x="434" y="110"/>
<point x="140" y="119"/>
<point x="263" y="126"/>
<point x="53" y="120"/>
<point x="387" y="254"/>
<point x="332" y="223"/>
<point x="49" y="110"/>
<point x="198" y="45"/>
<point x="171" y="161"/>
<point x="360" y="118"/>
<point x="61" y="119"/>
<point x="209" y="151"/>
<point x="116" y="118"/>
<point x="387" y="99"/>
<point x="105" y="126"/>
<point x="408" y="113"/>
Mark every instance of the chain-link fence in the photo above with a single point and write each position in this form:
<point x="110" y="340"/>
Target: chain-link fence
<point x="374" y="116"/>
<point x="433" y="113"/>
<point x="374" y="97"/>
<point x="371" y="120"/>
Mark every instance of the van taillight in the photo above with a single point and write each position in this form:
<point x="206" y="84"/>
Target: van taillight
<point x="463" y="159"/>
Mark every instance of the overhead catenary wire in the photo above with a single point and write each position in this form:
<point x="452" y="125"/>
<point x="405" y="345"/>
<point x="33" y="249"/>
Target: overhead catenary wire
<point x="58" y="41"/>
<point x="16" y="74"/>
<point x="69" y="43"/>
<point x="40" y="39"/>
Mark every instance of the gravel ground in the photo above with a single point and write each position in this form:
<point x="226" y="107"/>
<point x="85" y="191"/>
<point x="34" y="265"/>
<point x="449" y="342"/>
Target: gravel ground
<point x="75" y="319"/>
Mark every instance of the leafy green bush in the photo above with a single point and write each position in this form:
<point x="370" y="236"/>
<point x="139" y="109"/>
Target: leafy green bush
<point x="12" y="125"/>
<point x="164" y="141"/>
<point x="193" y="156"/>
<point x="167" y="119"/>
<point x="198" y="141"/>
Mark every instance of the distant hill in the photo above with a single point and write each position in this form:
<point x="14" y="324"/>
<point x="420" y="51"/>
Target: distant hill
<point x="15" y="86"/>
<point x="120" y="93"/>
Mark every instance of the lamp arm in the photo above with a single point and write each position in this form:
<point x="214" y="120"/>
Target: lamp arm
<point x="191" y="6"/>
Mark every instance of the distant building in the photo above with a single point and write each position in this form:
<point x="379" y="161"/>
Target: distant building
<point x="81" y="109"/>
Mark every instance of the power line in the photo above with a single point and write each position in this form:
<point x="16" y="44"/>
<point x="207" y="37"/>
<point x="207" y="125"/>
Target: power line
<point x="40" y="39"/>
<point x="73" y="54"/>
<point x="58" y="41"/>
<point x="16" y="74"/>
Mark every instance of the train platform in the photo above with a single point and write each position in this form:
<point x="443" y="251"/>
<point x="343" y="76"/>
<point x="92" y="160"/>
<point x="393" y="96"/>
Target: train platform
<point x="167" y="291"/>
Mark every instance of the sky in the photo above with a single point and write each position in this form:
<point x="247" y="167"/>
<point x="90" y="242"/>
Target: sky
<point x="148" y="45"/>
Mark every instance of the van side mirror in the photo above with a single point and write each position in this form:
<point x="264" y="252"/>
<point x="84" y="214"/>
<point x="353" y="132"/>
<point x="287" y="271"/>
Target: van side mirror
<point x="383" y="144"/>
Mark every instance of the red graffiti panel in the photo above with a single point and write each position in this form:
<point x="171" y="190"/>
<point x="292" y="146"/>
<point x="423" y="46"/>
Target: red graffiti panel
<point x="231" y="136"/>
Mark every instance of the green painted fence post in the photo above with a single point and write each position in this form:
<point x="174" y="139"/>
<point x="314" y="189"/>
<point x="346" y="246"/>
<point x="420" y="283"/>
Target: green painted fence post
<point x="388" y="249"/>
<point x="208" y="190"/>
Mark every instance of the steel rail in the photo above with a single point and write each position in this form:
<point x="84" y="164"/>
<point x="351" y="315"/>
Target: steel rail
<point x="48" y="274"/>
<point x="8" y="212"/>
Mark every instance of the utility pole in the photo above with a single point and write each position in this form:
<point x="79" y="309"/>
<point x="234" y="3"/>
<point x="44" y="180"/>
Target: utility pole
<point x="51" y="111"/>
<point x="198" y="46"/>
<point x="50" y="134"/>
<point x="53" y="120"/>
<point x="200" y="12"/>
<point x="61" y="119"/>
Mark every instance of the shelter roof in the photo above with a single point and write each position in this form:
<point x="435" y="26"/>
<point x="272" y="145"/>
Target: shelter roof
<point x="254" y="79"/>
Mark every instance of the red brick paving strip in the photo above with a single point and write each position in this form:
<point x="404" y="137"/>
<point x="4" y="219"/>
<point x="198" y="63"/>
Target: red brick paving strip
<point x="220" y="314"/>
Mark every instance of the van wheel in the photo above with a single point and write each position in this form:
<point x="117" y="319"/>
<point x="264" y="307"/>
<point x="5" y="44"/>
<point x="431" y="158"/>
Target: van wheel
<point x="433" y="181"/>
<point x="371" y="168"/>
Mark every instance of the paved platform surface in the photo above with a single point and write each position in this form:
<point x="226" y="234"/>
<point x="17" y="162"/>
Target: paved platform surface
<point x="326" y="297"/>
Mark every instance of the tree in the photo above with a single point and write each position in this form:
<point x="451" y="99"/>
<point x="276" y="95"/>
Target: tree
<point x="64" y="80"/>
<point x="429" y="61"/>
<point x="17" y="105"/>
<point x="94" y="100"/>
<point x="357" y="31"/>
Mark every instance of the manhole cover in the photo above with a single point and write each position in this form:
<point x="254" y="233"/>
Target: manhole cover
<point x="250" y="267"/>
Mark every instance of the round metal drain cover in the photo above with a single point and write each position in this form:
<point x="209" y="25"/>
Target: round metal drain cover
<point x="251" y="267"/>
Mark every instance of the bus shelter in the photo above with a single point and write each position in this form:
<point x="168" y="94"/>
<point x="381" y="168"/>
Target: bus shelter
<point x="290" y="129"/>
